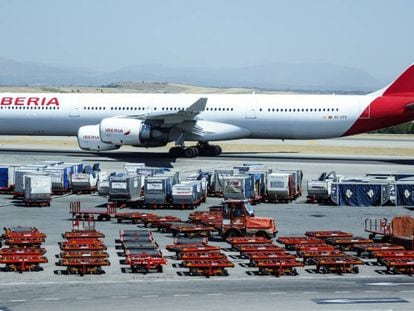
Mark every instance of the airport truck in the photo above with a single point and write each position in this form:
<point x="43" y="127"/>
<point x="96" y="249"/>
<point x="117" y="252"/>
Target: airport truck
<point x="239" y="220"/>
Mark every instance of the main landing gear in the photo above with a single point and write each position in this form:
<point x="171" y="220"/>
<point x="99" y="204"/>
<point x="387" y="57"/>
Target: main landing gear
<point x="201" y="149"/>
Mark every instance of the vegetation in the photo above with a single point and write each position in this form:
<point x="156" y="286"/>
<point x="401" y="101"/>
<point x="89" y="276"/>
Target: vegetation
<point x="405" y="128"/>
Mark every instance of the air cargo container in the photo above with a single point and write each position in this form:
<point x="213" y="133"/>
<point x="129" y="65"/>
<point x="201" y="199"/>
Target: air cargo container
<point x="280" y="187"/>
<point x="205" y="178"/>
<point x="158" y="190"/>
<point x="173" y="175"/>
<point x="84" y="182"/>
<point x="395" y="175"/>
<point x="60" y="175"/>
<point x="7" y="177"/>
<point x="217" y="185"/>
<point x="123" y="187"/>
<point x="360" y="192"/>
<point x="297" y="179"/>
<point x="38" y="189"/>
<point x="103" y="182"/>
<point x="320" y="190"/>
<point x="75" y="167"/>
<point x="238" y="187"/>
<point x="19" y="174"/>
<point x="187" y="194"/>
<point x="131" y="168"/>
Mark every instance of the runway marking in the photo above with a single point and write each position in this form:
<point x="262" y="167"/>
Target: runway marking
<point x="360" y="300"/>
<point x="18" y="300"/>
<point x="150" y="296"/>
<point x="372" y="291"/>
<point x="390" y="284"/>
<point x="311" y="292"/>
<point x="120" y="297"/>
<point x="50" y="299"/>
<point x="342" y="292"/>
<point x="215" y="294"/>
<point x="83" y="298"/>
<point x="181" y="295"/>
<point x="406" y="291"/>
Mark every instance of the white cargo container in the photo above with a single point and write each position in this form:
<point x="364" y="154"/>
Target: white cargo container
<point x="280" y="186"/>
<point x="187" y="193"/>
<point x="131" y="168"/>
<point x="38" y="189"/>
<point x="19" y="178"/>
<point x="321" y="188"/>
<point x="84" y="182"/>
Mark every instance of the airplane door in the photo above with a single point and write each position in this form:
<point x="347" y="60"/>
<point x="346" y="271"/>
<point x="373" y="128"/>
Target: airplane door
<point x="251" y="108"/>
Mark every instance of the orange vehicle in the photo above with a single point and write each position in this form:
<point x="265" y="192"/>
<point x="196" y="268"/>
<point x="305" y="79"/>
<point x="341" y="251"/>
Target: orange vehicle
<point x="239" y="220"/>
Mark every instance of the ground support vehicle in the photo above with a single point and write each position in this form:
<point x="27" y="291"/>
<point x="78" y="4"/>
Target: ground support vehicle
<point x="346" y="244"/>
<point x="328" y="234"/>
<point x="84" y="265"/>
<point x="246" y="249"/>
<point x="292" y="242"/>
<point x="339" y="264"/>
<point x="309" y="256"/>
<point x="399" y="266"/>
<point x="141" y="251"/>
<point x="156" y="221"/>
<point x="22" y="262"/>
<point x="134" y="217"/>
<point x="239" y="220"/>
<point x="390" y="255"/>
<point x="255" y="257"/>
<point x="369" y="249"/>
<point x="24" y="252"/>
<point x="278" y="267"/>
<point x="191" y="230"/>
<point x="377" y="226"/>
<point x="208" y="267"/>
<point x="234" y="241"/>
<point x="101" y="215"/>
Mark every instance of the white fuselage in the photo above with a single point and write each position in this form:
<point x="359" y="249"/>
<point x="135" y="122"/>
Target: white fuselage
<point x="264" y="116"/>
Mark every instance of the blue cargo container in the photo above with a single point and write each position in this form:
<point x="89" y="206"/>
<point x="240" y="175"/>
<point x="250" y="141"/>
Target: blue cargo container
<point x="238" y="187"/>
<point x="60" y="175"/>
<point x="404" y="191"/>
<point x="360" y="193"/>
<point x="4" y="177"/>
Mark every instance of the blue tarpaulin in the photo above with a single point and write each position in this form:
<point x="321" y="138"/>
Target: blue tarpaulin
<point x="359" y="194"/>
<point x="405" y="194"/>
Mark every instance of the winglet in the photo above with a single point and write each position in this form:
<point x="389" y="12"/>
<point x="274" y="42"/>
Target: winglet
<point x="404" y="85"/>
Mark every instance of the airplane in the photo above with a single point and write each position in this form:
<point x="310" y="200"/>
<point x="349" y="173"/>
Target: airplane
<point x="108" y="121"/>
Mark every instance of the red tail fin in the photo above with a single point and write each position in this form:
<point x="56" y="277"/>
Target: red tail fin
<point x="404" y="85"/>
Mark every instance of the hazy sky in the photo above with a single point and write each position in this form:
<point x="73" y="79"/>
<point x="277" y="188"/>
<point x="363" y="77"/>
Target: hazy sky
<point x="376" y="36"/>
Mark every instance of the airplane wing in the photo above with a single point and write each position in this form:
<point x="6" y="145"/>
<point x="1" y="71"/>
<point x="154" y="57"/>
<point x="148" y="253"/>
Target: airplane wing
<point x="172" y="118"/>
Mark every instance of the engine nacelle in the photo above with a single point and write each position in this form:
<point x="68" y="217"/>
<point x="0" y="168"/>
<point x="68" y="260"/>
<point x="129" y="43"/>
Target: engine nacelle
<point x="89" y="139"/>
<point x="124" y="131"/>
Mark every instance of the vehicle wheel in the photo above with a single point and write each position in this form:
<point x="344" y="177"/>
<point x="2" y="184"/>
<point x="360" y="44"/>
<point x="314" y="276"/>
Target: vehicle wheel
<point x="100" y="218"/>
<point x="325" y="270"/>
<point x="217" y="150"/>
<point x="261" y="234"/>
<point x="356" y="269"/>
<point x="159" y="268"/>
<point x="175" y="152"/>
<point x="232" y="234"/>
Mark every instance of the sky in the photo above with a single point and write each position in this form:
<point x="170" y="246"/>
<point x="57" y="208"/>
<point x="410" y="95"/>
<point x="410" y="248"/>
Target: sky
<point x="375" y="36"/>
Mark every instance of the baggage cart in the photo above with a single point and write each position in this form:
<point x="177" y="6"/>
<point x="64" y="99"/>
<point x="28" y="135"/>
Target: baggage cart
<point x="263" y="256"/>
<point x="315" y="248"/>
<point x="188" y="248"/>
<point x="369" y="249"/>
<point x="101" y="214"/>
<point x="83" y="254"/>
<point x="87" y="234"/>
<point x="191" y="230"/>
<point x="234" y="241"/>
<point x="22" y="262"/>
<point x="346" y="244"/>
<point x="202" y="256"/>
<point x="309" y="256"/>
<point x="134" y="217"/>
<point x="278" y="267"/>
<point x="341" y="264"/>
<point x="145" y="261"/>
<point x="22" y="251"/>
<point x="385" y="255"/>
<point x="85" y="265"/>
<point x="247" y="249"/>
<point x="377" y="226"/>
<point x="399" y="266"/>
<point x="328" y="234"/>
<point x="208" y="268"/>
<point x="291" y="242"/>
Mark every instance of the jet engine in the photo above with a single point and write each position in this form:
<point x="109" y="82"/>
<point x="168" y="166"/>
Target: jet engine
<point x="89" y="139"/>
<point x="124" y="131"/>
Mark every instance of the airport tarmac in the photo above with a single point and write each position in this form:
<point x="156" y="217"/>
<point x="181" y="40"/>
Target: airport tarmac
<point x="173" y="289"/>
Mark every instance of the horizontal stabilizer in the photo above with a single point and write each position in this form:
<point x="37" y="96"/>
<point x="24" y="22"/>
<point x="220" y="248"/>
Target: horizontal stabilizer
<point x="403" y="86"/>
